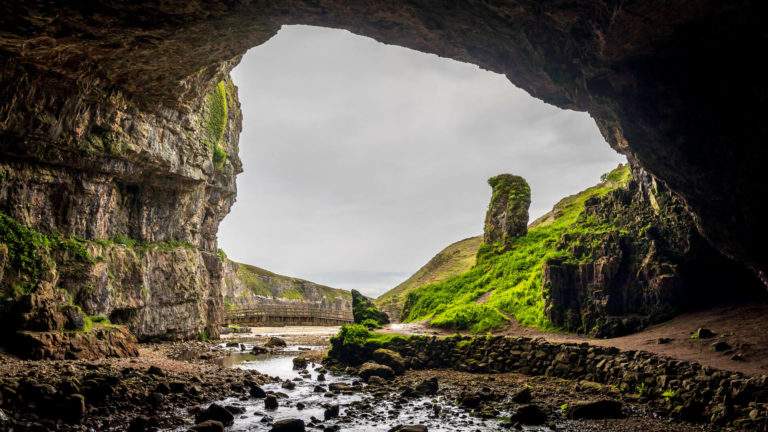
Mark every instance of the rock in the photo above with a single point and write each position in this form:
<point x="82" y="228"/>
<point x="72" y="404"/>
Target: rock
<point x="232" y="345"/>
<point x="595" y="410"/>
<point x="321" y="377"/>
<point x="288" y="425"/>
<point x="318" y="389"/>
<point x="300" y="406"/>
<point x="331" y="412"/>
<point x="72" y="408"/>
<point x="215" y="412"/>
<point x="139" y="424"/>
<point x="370" y="369"/>
<point x="721" y="346"/>
<point x="256" y="350"/>
<point x="390" y="358"/>
<point x="522" y="396"/>
<point x="154" y="370"/>
<point x="300" y="363"/>
<point x="427" y="387"/>
<point x="529" y="415"/>
<point x="409" y="428"/>
<point x="703" y="333"/>
<point x="288" y="385"/>
<point x="270" y="402"/>
<point x="208" y="426"/>
<point x="275" y="342"/>
<point x="377" y="381"/>
<point x="257" y="392"/>
<point x="507" y="216"/>
<point x="663" y="340"/>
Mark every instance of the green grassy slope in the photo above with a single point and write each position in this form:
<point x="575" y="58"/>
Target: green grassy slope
<point x="505" y="284"/>
<point x="451" y="261"/>
<point x="269" y="284"/>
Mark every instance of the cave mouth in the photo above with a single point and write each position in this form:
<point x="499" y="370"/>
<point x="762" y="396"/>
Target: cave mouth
<point x="357" y="173"/>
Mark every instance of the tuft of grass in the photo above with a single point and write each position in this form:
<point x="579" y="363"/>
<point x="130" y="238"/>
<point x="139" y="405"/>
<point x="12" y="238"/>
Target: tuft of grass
<point x="508" y="283"/>
<point x="217" y="113"/>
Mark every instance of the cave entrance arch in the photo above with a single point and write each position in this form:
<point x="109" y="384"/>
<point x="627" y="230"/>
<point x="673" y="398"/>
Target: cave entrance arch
<point x="673" y="85"/>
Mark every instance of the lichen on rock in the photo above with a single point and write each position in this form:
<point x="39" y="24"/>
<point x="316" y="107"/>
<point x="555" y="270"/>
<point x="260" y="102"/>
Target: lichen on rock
<point x="507" y="216"/>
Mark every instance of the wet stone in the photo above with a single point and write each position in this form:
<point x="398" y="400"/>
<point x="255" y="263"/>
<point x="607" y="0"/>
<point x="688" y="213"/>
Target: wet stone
<point x="288" y="425"/>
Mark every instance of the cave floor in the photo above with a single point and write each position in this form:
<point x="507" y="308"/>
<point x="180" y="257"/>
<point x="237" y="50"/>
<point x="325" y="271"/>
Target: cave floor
<point x="740" y="326"/>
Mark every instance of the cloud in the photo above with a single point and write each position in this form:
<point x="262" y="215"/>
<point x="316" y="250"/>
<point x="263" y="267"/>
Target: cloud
<point x="366" y="159"/>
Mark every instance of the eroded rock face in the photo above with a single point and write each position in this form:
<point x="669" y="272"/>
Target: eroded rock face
<point x="646" y="265"/>
<point x="507" y="216"/>
<point x="139" y="192"/>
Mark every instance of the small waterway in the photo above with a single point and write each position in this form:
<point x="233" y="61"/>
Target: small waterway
<point x="360" y="411"/>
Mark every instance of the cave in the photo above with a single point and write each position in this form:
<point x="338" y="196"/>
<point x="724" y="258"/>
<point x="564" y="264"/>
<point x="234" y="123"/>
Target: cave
<point x="672" y="85"/>
<point x="119" y="128"/>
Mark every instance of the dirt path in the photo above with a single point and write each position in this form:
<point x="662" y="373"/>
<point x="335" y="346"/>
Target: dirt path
<point x="743" y="327"/>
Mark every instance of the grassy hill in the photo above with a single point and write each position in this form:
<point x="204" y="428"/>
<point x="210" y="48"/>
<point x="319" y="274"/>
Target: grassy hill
<point x="507" y="283"/>
<point x="252" y="280"/>
<point x="451" y="261"/>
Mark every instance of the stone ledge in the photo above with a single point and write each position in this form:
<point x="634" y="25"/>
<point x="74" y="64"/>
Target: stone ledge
<point x="59" y="345"/>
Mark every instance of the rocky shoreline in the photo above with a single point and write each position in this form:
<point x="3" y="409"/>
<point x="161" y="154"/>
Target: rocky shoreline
<point x="673" y="389"/>
<point x="155" y="391"/>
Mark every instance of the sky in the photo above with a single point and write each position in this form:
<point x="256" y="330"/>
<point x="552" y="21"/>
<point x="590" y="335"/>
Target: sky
<point x="363" y="160"/>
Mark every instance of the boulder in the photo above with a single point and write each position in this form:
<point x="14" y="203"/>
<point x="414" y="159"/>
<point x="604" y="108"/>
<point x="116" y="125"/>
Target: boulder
<point x="522" y="396"/>
<point x="215" y="412"/>
<point x="270" y="402"/>
<point x="208" y="426"/>
<point x="257" y="392"/>
<point x="595" y="410"/>
<point x="331" y="412"/>
<point x="427" y="387"/>
<point x="390" y="358"/>
<point x="288" y="425"/>
<point x="300" y="363"/>
<point x="409" y="428"/>
<point x="371" y="369"/>
<point x="529" y="414"/>
<point x="275" y="342"/>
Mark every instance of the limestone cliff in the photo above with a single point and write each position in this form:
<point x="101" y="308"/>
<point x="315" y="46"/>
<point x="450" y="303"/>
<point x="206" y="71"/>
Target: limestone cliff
<point x="253" y="295"/>
<point x="114" y="208"/>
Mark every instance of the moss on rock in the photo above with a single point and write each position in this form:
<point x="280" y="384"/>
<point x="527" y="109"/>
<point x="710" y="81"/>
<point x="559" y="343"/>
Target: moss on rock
<point x="507" y="216"/>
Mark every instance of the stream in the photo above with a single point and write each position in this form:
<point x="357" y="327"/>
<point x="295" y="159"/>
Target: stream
<point x="360" y="411"/>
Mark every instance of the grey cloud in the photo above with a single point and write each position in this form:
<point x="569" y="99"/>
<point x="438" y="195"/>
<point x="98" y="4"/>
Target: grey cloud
<point x="362" y="160"/>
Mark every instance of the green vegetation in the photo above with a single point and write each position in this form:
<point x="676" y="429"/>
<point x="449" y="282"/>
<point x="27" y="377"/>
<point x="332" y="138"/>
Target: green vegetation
<point x="364" y="310"/>
<point x="142" y="247"/>
<point x="451" y="261"/>
<point x="30" y="254"/>
<point x="95" y="321"/>
<point x="507" y="282"/>
<point x="353" y="340"/>
<point x="669" y="395"/>
<point x="217" y="113"/>
<point x="371" y="324"/>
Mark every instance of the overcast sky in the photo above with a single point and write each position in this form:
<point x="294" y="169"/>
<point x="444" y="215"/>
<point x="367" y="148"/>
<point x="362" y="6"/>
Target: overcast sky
<point x="363" y="160"/>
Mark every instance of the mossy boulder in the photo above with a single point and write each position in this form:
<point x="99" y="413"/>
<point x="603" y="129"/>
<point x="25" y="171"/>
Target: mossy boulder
<point x="390" y="358"/>
<point x="507" y="216"/>
<point x="371" y="369"/>
<point x="363" y="310"/>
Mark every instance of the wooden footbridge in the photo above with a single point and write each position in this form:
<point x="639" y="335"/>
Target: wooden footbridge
<point x="267" y="311"/>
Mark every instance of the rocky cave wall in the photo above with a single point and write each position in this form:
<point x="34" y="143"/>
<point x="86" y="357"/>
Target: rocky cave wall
<point x="142" y="192"/>
<point x="102" y="129"/>
<point x="675" y="84"/>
